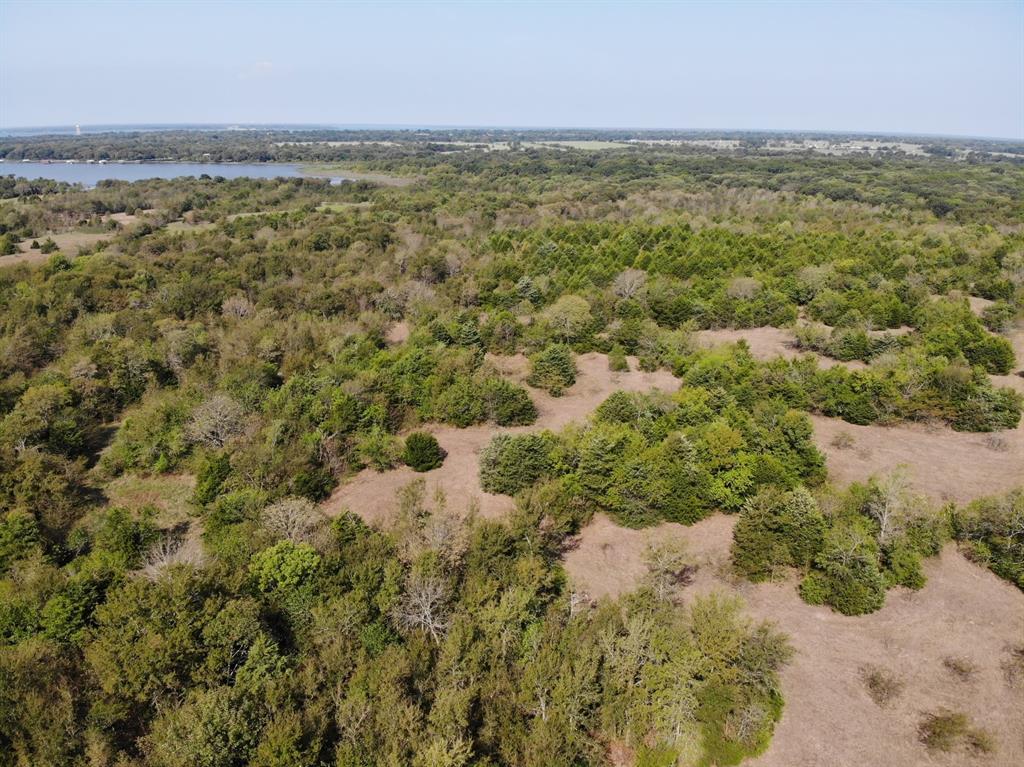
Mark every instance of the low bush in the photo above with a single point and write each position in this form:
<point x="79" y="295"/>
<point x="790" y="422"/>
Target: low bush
<point x="944" y="730"/>
<point x="422" y="452"/>
<point x="553" y="369"/>
<point x="883" y="685"/>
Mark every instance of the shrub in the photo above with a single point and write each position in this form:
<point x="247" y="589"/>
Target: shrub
<point x="989" y="531"/>
<point x="284" y="566"/>
<point x="777" y="529"/>
<point x="553" y="369"/>
<point x="379" y="449"/>
<point x="617" y="361"/>
<point x="962" y="668"/>
<point x="903" y="567"/>
<point x="422" y="453"/>
<point x="882" y="685"/>
<point x="511" y="463"/>
<point x="461" y="404"/>
<point x="214" y="469"/>
<point x="814" y="588"/>
<point x="508" y="404"/>
<point x="849" y="577"/>
<point x="943" y="730"/>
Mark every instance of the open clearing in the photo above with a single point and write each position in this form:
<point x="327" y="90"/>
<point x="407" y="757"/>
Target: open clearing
<point x="947" y="465"/>
<point x="169" y="494"/>
<point x="371" y="494"/>
<point x="767" y="343"/>
<point x="68" y="243"/>
<point x="829" y="719"/>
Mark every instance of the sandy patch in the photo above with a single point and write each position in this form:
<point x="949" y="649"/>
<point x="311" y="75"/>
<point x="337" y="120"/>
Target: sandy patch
<point x="941" y="463"/>
<point x="371" y="494"/>
<point x="829" y="720"/>
<point x="398" y="333"/>
<point x="979" y="304"/>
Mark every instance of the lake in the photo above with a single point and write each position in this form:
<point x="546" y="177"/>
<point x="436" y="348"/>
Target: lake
<point x="88" y="174"/>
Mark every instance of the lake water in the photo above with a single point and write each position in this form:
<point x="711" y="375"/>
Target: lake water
<point x="89" y="174"/>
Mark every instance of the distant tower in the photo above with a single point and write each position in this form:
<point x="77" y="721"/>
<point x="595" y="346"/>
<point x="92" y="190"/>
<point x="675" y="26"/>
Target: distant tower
<point x="78" y="130"/>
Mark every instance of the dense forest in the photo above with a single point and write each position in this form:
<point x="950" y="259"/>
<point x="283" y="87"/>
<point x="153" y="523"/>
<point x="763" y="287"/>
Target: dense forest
<point x="190" y="368"/>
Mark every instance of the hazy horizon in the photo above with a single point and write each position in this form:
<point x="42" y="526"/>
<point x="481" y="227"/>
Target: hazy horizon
<point x="922" y="69"/>
<point x="58" y="129"/>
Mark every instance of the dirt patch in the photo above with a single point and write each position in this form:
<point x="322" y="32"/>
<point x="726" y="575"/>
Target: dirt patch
<point x="371" y="494"/>
<point x="978" y="304"/>
<point x="829" y="719"/>
<point x="608" y="560"/>
<point x="941" y="463"/>
<point x="398" y="333"/>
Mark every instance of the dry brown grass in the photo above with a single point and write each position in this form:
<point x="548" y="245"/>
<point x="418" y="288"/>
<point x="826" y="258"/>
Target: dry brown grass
<point x="941" y="463"/>
<point x="961" y="667"/>
<point x="372" y="494"/>
<point x="767" y="343"/>
<point x="830" y="716"/>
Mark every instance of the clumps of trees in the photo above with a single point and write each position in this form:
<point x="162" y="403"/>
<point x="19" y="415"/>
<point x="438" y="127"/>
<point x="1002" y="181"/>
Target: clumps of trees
<point x="512" y="462"/>
<point x="899" y="387"/>
<point x="777" y="529"/>
<point x="651" y="457"/>
<point x="422" y="452"/>
<point x="991" y="533"/>
<point x="553" y="368"/>
<point x="874" y="537"/>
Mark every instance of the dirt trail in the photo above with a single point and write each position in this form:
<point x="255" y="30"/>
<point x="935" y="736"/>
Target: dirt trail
<point x="371" y="494"/>
<point x="829" y="719"/>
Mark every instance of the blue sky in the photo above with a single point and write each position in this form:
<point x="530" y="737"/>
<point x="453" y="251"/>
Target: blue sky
<point x="914" y="67"/>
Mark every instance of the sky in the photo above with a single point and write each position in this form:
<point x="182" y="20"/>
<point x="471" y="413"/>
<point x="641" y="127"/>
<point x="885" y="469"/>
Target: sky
<point x="944" y="68"/>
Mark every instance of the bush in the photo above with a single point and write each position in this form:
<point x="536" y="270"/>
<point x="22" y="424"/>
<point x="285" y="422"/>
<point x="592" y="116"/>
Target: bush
<point x="461" y="404"/>
<point x="379" y="449"/>
<point x="553" y="369"/>
<point x="777" y="529"/>
<point x="508" y="404"/>
<point x="988" y="529"/>
<point x="814" y="588"/>
<point x="511" y="463"/>
<point x="882" y="685"/>
<point x="617" y="361"/>
<point x="284" y="566"/>
<point x="422" y="453"/>
<point x="849" y="578"/>
<point x="214" y="469"/>
<point x="944" y="730"/>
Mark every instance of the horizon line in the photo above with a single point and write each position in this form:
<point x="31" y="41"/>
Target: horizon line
<point x="353" y="127"/>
